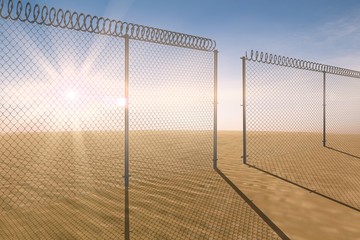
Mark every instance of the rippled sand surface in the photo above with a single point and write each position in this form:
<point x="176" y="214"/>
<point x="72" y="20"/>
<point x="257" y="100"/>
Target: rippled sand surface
<point x="70" y="186"/>
<point x="300" y="213"/>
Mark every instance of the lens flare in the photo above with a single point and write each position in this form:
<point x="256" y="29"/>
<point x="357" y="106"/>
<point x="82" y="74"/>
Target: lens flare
<point x="121" y="102"/>
<point x="71" y="95"/>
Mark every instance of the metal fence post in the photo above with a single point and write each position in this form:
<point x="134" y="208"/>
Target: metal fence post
<point x="324" y="109"/>
<point x="126" y="177"/>
<point x="215" y="106"/>
<point x="244" y="108"/>
<point x="127" y="111"/>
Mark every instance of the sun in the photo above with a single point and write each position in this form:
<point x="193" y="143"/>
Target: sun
<point x="121" y="102"/>
<point x="71" y="95"/>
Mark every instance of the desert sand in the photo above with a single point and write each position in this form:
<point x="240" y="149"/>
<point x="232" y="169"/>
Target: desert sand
<point x="300" y="213"/>
<point x="70" y="186"/>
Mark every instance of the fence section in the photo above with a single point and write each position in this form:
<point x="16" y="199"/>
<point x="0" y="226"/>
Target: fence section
<point x="343" y="114"/>
<point x="62" y="124"/>
<point x="87" y="103"/>
<point x="291" y="107"/>
<point x="171" y="133"/>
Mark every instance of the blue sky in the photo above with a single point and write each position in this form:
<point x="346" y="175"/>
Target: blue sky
<point x="319" y="30"/>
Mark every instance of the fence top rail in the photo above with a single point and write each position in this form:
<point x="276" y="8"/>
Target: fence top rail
<point x="268" y="58"/>
<point x="43" y="15"/>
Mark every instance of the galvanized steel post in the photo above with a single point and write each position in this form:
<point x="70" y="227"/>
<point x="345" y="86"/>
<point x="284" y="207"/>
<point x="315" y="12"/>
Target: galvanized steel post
<point x="324" y="109"/>
<point x="127" y="111"/>
<point x="244" y="108"/>
<point x="215" y="107"/>
<point x="126" y="177"/>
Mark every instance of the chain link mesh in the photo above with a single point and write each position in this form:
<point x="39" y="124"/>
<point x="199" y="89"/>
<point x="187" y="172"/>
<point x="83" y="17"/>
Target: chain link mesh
<point x="171" y="117"/>
<point x="285" y="128"/>
<point x="343" y="114"/>
<point x="61" y="124"/>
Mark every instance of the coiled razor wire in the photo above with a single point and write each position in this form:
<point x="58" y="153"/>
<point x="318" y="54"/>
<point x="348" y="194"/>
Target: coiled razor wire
<point x="268" y="58"/>
<point x="25" y="12"/>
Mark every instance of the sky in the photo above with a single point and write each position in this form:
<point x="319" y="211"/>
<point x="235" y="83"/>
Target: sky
<point x="323" y="31"/>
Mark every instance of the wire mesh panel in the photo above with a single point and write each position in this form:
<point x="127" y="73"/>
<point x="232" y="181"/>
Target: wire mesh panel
<point x="61" y="133"/>
<point x="343" y="114"/>
<point x="171" y="123"/>
<point x="285" y="124"/>
<point x="284" y="111"/>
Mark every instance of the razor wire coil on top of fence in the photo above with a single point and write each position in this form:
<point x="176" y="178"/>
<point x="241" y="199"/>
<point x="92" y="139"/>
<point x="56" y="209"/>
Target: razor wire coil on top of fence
<point x="87" y="23"/>
<point x="279" y="60"/>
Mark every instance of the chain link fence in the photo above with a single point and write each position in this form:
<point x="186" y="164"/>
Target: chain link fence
<point x="302" y="124"/>
<point x="343" y="114"/>
<point x="171" y="123"/>
<point x="108" y="130"/>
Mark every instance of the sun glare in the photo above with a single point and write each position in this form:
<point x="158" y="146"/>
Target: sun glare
<point x="121" y="102"/>
<point x="71" y="94"/>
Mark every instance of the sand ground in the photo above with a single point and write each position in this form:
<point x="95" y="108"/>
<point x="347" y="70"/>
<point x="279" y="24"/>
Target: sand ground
<point x="70" y="186"/>
<point x="301" y="214"/>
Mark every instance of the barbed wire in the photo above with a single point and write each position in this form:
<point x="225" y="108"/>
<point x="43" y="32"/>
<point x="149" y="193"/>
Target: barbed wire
<point x="25" y="12"/>
<point x="268" y="58"/>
